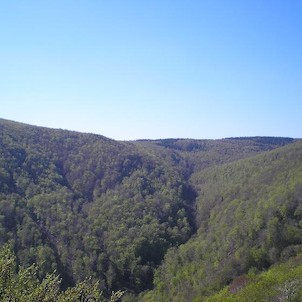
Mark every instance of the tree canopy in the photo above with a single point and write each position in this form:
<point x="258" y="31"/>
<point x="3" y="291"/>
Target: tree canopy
<point x="165" y="220"/>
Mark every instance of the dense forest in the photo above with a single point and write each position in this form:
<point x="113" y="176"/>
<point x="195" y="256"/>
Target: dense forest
<point x="159" y="220"/>
<point x="248" y="217"/>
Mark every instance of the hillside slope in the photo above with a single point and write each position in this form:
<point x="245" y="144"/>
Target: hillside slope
<point x="87" y="205"/>
<point x="249" y="216"/>
<point x="205" y="153"/>
<point x="282" y="282"/>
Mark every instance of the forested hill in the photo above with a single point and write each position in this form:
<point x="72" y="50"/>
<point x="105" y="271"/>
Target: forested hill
<point x="85" y="205"/>
<point x="249" y="217"/>
<point x="201" y="154"/>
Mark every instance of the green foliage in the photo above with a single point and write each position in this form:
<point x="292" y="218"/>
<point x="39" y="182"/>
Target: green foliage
<point x="23" y="285"/>
<point x="114" y="215"/>
<point x="282" y="282"/>
<point x="85" y="205"/>
<point x="202" y="154"/>
<point x="248" y="216"/>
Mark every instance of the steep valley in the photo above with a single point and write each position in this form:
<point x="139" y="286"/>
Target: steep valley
<point x="164" y="220"/>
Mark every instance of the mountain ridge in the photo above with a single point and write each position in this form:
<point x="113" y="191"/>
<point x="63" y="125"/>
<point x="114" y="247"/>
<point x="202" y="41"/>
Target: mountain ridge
<point x="12" y="122"/>
<point x="87" y="205"/>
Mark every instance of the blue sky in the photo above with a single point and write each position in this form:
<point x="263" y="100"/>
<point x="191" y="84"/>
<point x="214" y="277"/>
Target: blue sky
<point x="153" y="69"/>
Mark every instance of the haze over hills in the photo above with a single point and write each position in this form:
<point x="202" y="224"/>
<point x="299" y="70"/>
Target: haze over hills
<point x="178" y="218"/>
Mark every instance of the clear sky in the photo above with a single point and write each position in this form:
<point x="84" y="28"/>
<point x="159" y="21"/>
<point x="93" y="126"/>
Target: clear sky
<point x="153" y="69"/>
